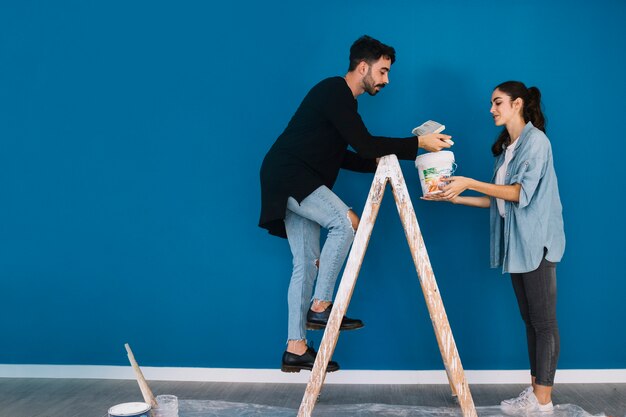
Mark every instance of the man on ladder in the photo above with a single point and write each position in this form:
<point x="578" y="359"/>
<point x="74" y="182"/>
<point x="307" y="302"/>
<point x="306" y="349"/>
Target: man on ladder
<point x="297" y="177"/>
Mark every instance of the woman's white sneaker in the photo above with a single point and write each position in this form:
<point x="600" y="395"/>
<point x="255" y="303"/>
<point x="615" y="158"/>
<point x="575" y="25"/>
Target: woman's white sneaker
<point x="523" y="394"/>
<point x="525" y="403"/>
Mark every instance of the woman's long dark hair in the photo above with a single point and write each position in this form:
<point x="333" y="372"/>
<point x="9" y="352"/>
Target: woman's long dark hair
<point x="531" y="110"/>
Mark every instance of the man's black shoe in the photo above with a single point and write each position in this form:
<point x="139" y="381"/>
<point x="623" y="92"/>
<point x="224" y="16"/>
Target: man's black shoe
<point x="296" y="363"/>
<point x="317" y="321"/>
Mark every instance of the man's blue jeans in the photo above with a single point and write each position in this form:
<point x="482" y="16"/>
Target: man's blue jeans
<point x="322" y="208"/>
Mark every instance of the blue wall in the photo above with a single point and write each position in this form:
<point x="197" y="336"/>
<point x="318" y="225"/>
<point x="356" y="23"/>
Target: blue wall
<point x="131" y="135"/>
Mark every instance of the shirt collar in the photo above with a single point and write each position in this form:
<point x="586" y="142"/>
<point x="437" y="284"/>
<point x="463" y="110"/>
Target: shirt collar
<point x="523" y="135"/>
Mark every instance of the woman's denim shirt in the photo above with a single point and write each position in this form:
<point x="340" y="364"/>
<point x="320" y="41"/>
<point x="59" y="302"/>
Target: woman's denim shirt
<point x="536" y="221"/>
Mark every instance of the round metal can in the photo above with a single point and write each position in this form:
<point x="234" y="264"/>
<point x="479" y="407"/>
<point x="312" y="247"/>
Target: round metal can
<point x="130" y="410"/>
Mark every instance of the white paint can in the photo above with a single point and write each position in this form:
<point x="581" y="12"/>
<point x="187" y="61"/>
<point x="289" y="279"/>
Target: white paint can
<point x="433" y="168"/>
<point x="130" y="410"/>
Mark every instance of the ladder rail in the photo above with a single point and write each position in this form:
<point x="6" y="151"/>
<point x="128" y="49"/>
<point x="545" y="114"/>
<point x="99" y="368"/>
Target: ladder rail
<point x="389" y="171"/>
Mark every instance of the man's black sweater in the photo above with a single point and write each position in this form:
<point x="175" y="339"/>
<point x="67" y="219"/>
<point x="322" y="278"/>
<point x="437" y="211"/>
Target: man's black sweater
<point x="314" y="146"/>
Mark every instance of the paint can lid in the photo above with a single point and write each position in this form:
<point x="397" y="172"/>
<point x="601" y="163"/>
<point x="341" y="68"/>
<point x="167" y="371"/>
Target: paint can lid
<point x="128" y="409"/>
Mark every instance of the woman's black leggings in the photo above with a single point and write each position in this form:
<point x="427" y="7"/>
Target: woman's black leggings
<point x="536" y="296"/>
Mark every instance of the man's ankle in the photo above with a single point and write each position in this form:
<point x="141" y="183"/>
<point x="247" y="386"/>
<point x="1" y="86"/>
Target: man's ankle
<point x="297" y="347"/>
<point x="319" y="306"/>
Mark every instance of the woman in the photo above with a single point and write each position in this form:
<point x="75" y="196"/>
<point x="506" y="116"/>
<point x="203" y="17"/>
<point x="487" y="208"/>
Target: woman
<point x="527" y="237"/>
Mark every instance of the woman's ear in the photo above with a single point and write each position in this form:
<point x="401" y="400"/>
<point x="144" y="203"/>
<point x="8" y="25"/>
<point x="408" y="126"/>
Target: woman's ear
<point x="518" y="103"/>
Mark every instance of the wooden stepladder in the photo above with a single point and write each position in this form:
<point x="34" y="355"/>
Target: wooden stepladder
<point x="389" y="171"/>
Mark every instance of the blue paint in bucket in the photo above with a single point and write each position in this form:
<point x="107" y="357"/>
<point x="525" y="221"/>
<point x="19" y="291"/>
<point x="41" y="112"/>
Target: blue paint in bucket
<point x="130" y="410"/>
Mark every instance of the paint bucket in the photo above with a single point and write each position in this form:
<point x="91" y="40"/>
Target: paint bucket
<point x="130" y="410"/>
<point x="433" y="168"/>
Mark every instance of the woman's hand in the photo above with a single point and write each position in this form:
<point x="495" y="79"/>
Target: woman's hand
<point x="456" y="185"/>
<point x="439" y="197"/>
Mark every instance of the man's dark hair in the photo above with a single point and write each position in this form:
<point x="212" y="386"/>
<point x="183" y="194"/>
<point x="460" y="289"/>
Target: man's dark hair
<point x="369" y="50"/>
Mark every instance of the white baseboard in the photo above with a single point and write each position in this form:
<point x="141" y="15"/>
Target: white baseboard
<point x="276" y="376"/>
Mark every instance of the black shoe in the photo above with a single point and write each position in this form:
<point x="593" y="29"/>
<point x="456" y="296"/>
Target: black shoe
<point x="317" y="321"/>
<point x="296" y="363"/>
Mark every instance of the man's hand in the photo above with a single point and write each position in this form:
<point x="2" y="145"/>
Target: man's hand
<point x="433" y="142"/>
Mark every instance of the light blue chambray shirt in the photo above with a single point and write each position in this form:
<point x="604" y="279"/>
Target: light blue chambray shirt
<point x="536" y="221"/>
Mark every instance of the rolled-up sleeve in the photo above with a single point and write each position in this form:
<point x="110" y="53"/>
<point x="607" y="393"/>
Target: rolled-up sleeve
<point x="528" y="176"/>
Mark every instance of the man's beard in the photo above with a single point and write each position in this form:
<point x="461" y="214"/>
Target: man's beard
<point x="368" y="84"/>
